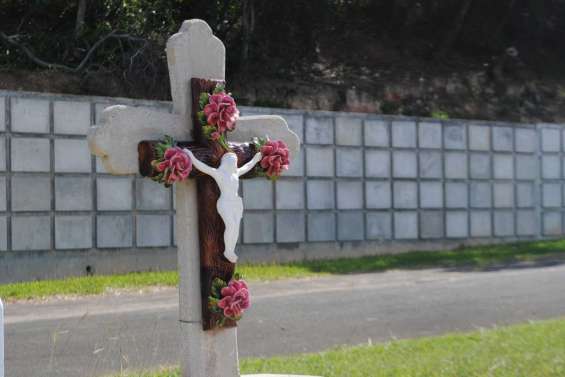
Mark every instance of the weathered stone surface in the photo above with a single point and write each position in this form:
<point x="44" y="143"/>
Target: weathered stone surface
<point x="350" y="226"/>
<point x="455" y="165"/>
<point x="551" y="167"/>
<point x="350" y="195"/>
<point x="378" y="194"/>
<point x="349" y="162"/>
<point x="526" y="140"/>
<point x="320" y="194"/>
<point x="379" y="226"/>
<point x="429" y="135"/>
<point x="551" y="195"/>
<point x="72" y="156"/>
<point x="2" y="153"/>
<point x="404" y="164"/>
<point x="377" y="164"/>
<point x="257" y="194"/>
<point x="525" y="194"/>
<point x="503" y="139"/>
<point x="114" y="231"/>
<point x="3" y="190"/>
<point x="431" y="195"/>
<point x="526" y="167"/>
<point x="3" y="233"/>
<point x="456" y="195"/>
<point x="291" y="226"/>
<point x="552" y="224"/>
<point x="503" y="195"/>
<point x="321" y="226"/>
<point x="319" y="130"/>
<point x="153" y="230"/>
<point x="376" y="133"/>
<point x="405" y="194"/>
<point x="319" y="161"/>
<point x="290" y="194"/>
<point x="73" y="193"/>
<point x="71" y="117"/>
<point x="405" y="225"/>
<point x="457" y="225"/>
<point x="258" y="227"/>
<point x="403" y="134"/>
<point x="526" y="223"/>
<point x="31" y="232"/>
<point x="31" y="193"/>
<point x="30" y="154"/>
<point x="550" y="140"/>
<point x="114" y="193"/>
<point x="431" y="224"/>
<point x="479" y="138"/>
<point x="73" y="232"/>
<point x="152" y="195"/>
<point x="430" y="164"/>
<point x="481" y="224"/>
<point x="295" y="124"/>
<point x="296" y="168"/>
<point x="348" y="131"/>
<point x="2" y="113"/>
<point x="503" y="166"/>
<point x="503" y="223"/>
<point x="30" y="115"/>
<point x="480" y="166"/>
<point x="455" y="136"/>
<point x="480" y="195"/>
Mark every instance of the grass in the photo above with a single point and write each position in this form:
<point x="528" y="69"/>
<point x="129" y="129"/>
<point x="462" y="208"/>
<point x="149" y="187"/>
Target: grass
<point x="471" y="257"/>
<point x="531" y="350"/>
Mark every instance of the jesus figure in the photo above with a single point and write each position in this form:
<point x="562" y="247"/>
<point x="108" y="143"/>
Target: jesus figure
<point x="229" y="205"/>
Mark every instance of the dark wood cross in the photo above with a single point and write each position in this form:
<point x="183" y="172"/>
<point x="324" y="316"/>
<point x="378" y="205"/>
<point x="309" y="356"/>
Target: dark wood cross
<point x="210" y="225"/>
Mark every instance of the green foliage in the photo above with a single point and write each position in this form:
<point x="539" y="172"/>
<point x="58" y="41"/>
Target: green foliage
<point x="438" y="114"/>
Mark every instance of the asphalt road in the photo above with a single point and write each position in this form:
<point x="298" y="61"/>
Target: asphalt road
<point x="101" y="335"/>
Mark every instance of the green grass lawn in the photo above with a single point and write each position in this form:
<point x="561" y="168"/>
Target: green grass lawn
<point x="531" y="350"/>
<point x="472" y="257"/>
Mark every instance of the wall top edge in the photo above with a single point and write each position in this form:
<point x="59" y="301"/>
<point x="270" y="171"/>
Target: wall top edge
<point x="272" y="110"/>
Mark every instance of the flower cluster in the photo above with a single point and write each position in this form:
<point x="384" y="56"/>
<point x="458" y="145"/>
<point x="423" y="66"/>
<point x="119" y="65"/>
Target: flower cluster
<point x="275" y="157"/>
<point x="218" y="115"/>
<point x="171" y="163"/>
<point x="229" y="300"/>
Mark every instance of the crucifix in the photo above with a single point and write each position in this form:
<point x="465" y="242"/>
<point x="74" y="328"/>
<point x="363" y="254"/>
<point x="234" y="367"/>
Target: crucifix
<point x="125" y="140"/>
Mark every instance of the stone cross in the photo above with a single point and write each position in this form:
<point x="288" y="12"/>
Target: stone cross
<point x="1" y="339"/>
<point x="196" y="60"/>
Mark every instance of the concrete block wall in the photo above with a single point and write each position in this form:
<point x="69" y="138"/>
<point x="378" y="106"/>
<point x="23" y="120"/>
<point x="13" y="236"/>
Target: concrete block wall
<point x="364" y="184"/>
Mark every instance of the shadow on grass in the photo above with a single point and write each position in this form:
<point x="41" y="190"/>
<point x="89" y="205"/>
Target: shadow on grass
<point x="482" y="258"/>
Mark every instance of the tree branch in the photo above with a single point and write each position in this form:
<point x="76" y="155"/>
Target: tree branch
<point x="13" y="41"/>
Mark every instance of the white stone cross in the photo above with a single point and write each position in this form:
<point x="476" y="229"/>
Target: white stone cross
<point x="194" y="52"/>
<point x="1" y="338"/>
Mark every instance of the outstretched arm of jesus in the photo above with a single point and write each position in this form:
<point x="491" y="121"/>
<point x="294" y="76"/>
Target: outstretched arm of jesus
<point x="200" y="165"/>
<point x="247" y="167"/>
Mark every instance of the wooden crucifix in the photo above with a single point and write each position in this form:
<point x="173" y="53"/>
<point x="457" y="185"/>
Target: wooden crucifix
<point x="193" y="53"/>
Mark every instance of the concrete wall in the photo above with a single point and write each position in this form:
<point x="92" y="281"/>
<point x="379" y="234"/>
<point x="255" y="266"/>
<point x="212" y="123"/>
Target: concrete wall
<point x="364" y="184"/>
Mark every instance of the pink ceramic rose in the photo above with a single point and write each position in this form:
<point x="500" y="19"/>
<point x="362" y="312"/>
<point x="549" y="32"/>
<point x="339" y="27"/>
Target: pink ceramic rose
<point x="221" y="112"/>
<point x="235" y="299"/>
<point x="275" y="158"/>
<point x="176" y="165"/>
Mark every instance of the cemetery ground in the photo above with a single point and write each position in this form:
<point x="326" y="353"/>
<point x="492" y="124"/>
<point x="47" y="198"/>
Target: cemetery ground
<point x="293" y="320"/>
<point x="477" y="258"/>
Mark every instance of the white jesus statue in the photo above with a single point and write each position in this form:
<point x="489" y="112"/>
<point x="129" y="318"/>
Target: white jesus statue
<point x="229" y="205"/>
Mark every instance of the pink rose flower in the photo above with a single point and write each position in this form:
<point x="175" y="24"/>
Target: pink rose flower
<point x="176" y="165"/>
<point x="275" y="157"/>
<point x="235" y="299"/>
<point x="221" y="112"/>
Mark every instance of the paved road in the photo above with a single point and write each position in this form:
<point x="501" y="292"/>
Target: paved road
<point x="96" y="336"/>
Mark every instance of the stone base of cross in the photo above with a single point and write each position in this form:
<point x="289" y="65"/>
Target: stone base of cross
<point x="196" y="59"/>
